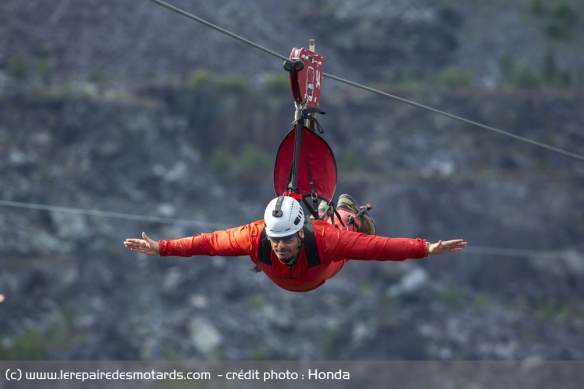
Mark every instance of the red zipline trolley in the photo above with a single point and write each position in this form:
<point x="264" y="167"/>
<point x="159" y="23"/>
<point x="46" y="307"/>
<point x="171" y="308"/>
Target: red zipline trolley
<point x="305" y="166"/>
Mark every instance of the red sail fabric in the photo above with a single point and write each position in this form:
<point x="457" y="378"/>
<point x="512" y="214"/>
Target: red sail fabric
<point x="316" y="160"/>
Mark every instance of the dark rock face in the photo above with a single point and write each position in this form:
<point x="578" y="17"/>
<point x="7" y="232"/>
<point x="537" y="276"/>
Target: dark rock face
<point x="69" y="271"/>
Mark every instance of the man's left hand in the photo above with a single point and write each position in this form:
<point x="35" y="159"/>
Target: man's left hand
<point x="445" y="247"/>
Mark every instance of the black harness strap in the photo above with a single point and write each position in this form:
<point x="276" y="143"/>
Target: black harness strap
<point x="265" y="249"/>
<point x="313" y="193"/>
<point x="313" y="211"/>
<point x="310" y="246"/>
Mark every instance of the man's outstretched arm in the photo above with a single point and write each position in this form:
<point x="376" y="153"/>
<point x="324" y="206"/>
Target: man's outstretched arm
<point x="346" y="244"/>
<point x="236" y="241"/>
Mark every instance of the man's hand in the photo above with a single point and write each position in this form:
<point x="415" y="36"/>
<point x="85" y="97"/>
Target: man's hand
<point x="145" y="246"/>
<point x="448" y="246"/>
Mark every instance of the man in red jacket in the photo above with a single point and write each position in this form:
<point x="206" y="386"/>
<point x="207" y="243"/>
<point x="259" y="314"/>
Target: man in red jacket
<point x="295" y="255"/>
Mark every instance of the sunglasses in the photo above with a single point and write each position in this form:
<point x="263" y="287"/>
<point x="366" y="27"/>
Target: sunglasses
<point x="285" y="239"/>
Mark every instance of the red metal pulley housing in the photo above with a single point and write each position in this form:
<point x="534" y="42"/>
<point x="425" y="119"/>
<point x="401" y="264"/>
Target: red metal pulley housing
<point x="305" y="82"/>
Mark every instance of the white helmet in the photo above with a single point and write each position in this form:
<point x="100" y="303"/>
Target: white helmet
<point x="283" y="217"/>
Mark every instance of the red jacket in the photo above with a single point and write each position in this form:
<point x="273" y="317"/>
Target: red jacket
<point x="335" y="247"/>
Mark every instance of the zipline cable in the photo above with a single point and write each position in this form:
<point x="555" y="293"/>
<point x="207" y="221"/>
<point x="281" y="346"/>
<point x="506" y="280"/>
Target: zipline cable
<point x="474" y="250"/>
<point x="366" y="88"/>
<point x="509" y="252"/>
<point x="115" y="215"/>
<point x="471" y="122"/>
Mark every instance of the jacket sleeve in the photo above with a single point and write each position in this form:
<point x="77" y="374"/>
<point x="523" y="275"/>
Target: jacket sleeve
<point x="232" y="242"/>
<point x="338" y="245"/>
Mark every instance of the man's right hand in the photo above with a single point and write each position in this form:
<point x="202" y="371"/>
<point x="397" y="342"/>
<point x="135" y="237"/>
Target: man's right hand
<point x="145" y="245"/>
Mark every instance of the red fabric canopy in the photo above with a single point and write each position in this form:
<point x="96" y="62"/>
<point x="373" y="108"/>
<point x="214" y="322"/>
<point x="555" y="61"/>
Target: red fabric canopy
<point x="316" y="160"/>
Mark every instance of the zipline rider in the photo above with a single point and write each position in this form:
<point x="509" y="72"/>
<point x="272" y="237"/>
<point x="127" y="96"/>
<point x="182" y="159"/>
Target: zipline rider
<point x="296" y="254"/>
